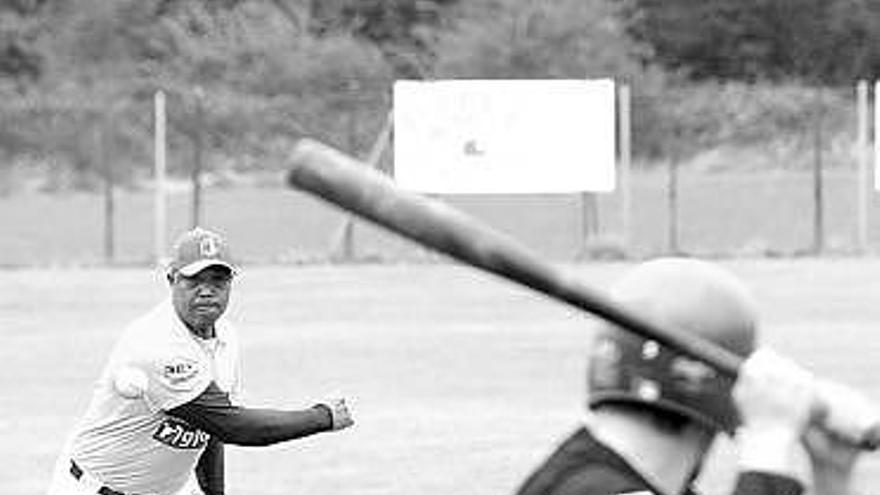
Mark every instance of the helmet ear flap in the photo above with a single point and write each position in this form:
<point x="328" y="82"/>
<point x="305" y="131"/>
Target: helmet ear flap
<point x="686" y="295"/>
<point x="626" y="369"/>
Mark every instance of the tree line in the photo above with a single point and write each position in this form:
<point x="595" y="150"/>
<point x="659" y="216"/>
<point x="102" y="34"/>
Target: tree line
<point x="276" y="69"/>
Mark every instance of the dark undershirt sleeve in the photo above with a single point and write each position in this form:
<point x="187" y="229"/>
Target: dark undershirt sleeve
<point x="210" y="469"/>
<point x="755" y="483"/>
<point x="214" y="413"/>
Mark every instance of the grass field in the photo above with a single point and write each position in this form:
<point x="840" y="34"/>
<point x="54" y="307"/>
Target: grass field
<point x="462" y="383"/>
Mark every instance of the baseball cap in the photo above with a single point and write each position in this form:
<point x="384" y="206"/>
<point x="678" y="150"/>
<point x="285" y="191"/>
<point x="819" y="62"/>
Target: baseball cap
<point x="198" y="249"/>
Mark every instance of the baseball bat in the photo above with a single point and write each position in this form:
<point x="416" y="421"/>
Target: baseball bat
<point x="347" y="183"/>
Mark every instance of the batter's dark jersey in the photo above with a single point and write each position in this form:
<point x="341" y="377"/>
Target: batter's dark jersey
<point x="582" y="465"/>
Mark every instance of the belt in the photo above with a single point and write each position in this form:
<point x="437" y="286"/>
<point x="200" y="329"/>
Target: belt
<point x="81" y="475"/>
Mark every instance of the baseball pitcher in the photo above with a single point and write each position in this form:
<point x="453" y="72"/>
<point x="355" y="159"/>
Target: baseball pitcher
<point x="168" y="398"/>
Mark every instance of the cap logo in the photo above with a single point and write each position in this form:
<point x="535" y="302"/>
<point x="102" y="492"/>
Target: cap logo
<point x="208" y="247"/>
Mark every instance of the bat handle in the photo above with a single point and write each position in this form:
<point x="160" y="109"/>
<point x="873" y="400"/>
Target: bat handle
<point x="847" y="415"/>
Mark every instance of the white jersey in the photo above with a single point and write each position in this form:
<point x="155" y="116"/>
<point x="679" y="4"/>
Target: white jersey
<point x="132" y="445"/>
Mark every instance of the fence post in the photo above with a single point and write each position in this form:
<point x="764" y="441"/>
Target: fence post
<point x="589" y="218"/>
<point x="864" y="157"/>
<point x="197" y="165"/>
<point x="160" y="207"/>
<point x="104" y="125"/>
<point x="348" y="248"/>
<point x="625" y="163"/>
<point x="672" y="204"/>
<point x="818" y="200"/>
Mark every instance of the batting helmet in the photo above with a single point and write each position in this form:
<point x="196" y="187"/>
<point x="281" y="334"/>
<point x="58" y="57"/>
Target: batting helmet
<point x="690" y="296"/>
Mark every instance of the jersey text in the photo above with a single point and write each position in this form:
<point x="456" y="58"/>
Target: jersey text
<point x="179" y="435"/>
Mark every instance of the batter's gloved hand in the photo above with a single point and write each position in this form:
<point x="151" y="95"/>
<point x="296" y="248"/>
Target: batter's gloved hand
<point x="775" y="398"/>
<point x="848" y="424"/>
<point x="849" y="415"/>
<point x="340" y="414"/>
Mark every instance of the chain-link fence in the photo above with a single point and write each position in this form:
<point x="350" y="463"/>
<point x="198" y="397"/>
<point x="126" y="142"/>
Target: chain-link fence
<point x="76" y="183"/>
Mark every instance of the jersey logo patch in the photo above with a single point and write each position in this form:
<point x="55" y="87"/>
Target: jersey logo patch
<point x="180" y="435"/>
<point x="180" y="370"/>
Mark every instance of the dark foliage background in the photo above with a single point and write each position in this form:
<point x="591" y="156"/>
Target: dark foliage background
<point x="245" y="78"/>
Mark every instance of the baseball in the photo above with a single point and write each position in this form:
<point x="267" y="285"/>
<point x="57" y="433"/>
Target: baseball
<point x="130" y="383"/>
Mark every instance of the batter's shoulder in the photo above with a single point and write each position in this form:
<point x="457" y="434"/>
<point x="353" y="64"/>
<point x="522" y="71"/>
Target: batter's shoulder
<point x="595" y="478"/>
<point x="581" y="465"/>
<point x="600" y="480"/>
<point x="758" y="483"/>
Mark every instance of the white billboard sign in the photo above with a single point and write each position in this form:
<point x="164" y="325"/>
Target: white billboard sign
<point x="504" y="136"/>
